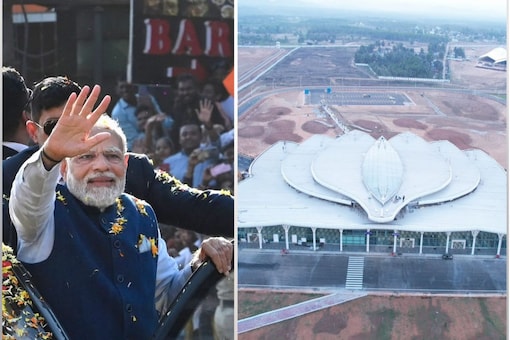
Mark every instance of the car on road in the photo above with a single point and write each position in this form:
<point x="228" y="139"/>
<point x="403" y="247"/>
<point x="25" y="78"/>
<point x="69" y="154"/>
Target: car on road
<point x="447" y="257"/>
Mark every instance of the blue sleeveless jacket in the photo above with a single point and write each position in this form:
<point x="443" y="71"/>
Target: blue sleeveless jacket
<point x="100" y="276"/>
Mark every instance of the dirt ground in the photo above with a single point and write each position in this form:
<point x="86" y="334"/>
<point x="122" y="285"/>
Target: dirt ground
<point x="468" y="121"/>
<point x="385" y="317"/>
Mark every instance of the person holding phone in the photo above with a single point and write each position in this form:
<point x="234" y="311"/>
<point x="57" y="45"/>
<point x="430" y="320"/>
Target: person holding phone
<point x="221" y="174"/>
<point x="189" y="163"/>
<point x="124" y="110"/>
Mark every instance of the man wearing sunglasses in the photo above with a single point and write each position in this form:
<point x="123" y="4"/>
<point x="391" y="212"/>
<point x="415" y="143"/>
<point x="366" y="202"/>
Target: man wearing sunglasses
<point x="48" y="101"/>
<point x="207" y="212"/>
<point x="48" y="125"/>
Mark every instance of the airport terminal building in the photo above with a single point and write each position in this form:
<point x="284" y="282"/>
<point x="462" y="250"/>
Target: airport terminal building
<point x="357" y="193"/>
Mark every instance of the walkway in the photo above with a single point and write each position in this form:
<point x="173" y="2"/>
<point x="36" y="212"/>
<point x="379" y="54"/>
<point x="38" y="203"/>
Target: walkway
<point x="286" y="313"/>
<point x="354" y="278"/>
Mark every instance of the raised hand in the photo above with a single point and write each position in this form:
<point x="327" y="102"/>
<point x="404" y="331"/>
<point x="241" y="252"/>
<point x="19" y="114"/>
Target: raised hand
<point x="71" y="136"/>
<point x="204" y="113"/>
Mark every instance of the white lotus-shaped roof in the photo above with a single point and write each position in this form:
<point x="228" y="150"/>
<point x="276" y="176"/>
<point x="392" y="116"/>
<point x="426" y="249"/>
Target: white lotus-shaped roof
<point x="318" y="182"/>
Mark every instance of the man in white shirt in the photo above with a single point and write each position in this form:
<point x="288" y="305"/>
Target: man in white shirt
<point x="125" y="108"/>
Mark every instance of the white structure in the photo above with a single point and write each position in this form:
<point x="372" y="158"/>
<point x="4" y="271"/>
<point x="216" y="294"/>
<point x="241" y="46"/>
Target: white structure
<point x="405" y="186"/>
<point x="496" y="58"/>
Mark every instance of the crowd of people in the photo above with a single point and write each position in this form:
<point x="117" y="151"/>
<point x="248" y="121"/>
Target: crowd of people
<point x="161" y="181"/>
<point x="193" y="141"/>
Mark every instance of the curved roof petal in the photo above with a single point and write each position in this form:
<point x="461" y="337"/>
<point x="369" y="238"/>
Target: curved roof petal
<point x="311" y="185"/>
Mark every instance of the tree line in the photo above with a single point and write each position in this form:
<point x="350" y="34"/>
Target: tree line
<point x="397" y="60"/>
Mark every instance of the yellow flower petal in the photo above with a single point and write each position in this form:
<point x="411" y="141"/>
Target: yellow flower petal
<point x="120" y="207"/>
<point x="154" y="247"/>
<point x="116" y="229"/>
<point x="61" y="197"/>
<point x="141" y="207"/>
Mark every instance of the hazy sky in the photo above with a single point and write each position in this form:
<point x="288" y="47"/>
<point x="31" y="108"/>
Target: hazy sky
<point x="496" y="9"/>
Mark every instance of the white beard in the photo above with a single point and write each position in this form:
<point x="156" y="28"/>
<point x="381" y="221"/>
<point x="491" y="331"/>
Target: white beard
<point x="100" y="197"/>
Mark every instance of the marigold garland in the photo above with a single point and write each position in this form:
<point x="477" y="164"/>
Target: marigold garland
<point x="18" y="318"/>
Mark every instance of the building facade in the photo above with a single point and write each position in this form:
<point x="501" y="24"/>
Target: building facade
<point x="358" y="193"/>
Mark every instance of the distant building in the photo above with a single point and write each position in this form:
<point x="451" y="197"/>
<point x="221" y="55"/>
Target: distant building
<point x="495" y="59"/>
<point x="358" y="193"/>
